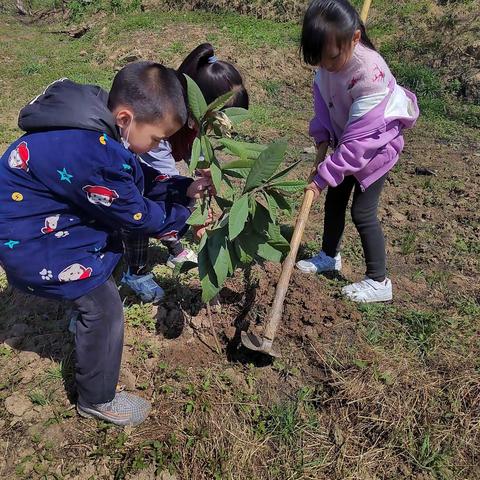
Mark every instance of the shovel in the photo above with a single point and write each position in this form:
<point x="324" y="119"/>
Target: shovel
<point x="265" y="344"/>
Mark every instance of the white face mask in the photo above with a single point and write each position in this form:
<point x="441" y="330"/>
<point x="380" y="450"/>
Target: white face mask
<point x="125" y="141"/>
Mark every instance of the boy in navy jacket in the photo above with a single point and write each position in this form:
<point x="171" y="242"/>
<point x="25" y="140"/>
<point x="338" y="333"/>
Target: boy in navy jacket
<point x="69" y="187"/>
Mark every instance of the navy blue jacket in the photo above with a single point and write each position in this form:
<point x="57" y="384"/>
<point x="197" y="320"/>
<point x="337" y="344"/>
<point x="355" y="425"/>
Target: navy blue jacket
<point x="68" y="192"/>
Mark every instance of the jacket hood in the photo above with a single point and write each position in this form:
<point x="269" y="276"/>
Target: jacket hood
<point x="66" y="104"/>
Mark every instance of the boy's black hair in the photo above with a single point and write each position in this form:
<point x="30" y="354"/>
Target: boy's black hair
<point x="214" y="77"/>
<point x="326" y="19"/>
<point x="151" y="90"/>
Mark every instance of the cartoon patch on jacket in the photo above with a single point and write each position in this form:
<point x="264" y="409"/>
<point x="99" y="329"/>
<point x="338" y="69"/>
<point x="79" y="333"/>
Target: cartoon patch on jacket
<point x="51" y="224"/>
<point x="99" y="195"/>
<point x="20" y="157"/>
<point x="162" y="177"/>
<point x="75" y="272"/>
<point x="169" y="236"/>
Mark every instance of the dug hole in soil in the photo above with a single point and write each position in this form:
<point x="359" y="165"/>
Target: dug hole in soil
<point x="310" y="313"/>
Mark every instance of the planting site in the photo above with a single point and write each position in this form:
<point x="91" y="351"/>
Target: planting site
<point x="360" y="391"/>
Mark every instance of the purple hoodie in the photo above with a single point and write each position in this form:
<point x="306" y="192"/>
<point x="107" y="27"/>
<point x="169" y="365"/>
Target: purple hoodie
<point x="363" y="121"/>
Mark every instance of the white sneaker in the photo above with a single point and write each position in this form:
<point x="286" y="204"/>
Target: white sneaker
<point x="320" y="263"/>
<point x="186" y="256"/>
<point x="369" y="291"/>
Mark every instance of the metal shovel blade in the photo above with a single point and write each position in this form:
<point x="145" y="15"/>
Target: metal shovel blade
<point x="258" y="344"/>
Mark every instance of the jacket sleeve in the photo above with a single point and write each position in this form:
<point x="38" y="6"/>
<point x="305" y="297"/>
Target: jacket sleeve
<point x="111" y="197"/>
<point x="347" y="159"/>
<point x="317" y="129"/>
<point x="358" y="144"/>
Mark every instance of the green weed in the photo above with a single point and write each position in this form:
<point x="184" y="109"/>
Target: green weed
<point x="140" y="316"/>
<point x="420" y="328"/>
<point x="408" y="242"/>
<point x="38" y="397"/>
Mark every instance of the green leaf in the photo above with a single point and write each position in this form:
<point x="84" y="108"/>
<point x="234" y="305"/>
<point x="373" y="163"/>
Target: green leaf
<point x="277" y="240"/>
<point x="234" y="148"/>
<point x="196" y="152"/>
<point x="220" y="101"/>
<point x="289" y="185"/>
<point x="261" y="219"/>
<point x="237" y="172"/>
<point x="216" y="173"/>
<point x="196" y="100"/>
<point x="238" y="216"/>
<point x="243" y="255"/>
<point x="219" y="254"/>
<point x="267" y="252"/>
<point x="252" y="150"/>
<point x="272" y="206"/>
<point x="184" y="267"/>
<point x="207" y="150"/>
<point x="223" y="203"/>
<point x="198" y="216"/>
<point x="279" y="176"/>
<point x="265" y="165"/>
<point x="236" y="115"/>
<point x="206" y="272"/>
<point x="278" y="200"/>
<point x="248" y="242"/>
<point x="238" y="168"/>
<point x="234" y="164"/>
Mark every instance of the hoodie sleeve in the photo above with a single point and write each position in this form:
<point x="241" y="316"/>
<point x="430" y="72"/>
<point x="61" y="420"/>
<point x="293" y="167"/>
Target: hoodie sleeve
<point x="317" y="128"/>
<point x="111" y="196"/>
<point x="103" y="180"/>
<point x="368" y="89"/>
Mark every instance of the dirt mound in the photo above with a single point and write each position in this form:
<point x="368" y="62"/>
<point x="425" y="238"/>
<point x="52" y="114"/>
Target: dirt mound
<point x="310" y="311"/>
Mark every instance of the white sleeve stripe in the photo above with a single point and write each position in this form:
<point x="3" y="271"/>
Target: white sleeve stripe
<point x="363" y="105"/>
<point x="399" y="105"/>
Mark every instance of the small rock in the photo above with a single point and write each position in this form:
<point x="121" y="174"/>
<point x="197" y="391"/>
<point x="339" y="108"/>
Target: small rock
<point x="17" y="405"/>
<point x="230" y="331"/>
<point x="166" y="475"/>
<point x="150" y="363"/>
<point x="29" y="357"/>
<point x="130" y="57"/>
<point x="396" y="216"/>
<point x="27" y="375"/>
<point x="310" y="150"/>
<point x="13" y="342"/>
<point x="82" y="53"/>
<point x="235" y="377"/>
<point x="196" y="323"/>
<point x="128" y="379"/>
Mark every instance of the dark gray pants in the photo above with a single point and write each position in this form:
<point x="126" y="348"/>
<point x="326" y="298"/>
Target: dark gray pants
<point x="364" y="216"/>
<point x="99" y="343"/>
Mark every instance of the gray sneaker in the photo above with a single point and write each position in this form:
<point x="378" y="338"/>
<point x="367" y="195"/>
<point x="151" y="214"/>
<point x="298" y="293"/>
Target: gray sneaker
<point x="124" y="409"/>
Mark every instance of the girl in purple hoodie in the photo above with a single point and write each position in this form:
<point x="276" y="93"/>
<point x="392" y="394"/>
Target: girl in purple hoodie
<point x="361" y="112"/>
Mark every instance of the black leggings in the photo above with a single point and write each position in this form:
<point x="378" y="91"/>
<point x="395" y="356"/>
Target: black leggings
<point x="364" y="216"/>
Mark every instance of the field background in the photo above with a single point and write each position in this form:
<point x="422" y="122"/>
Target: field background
<point x="369" y="393"/>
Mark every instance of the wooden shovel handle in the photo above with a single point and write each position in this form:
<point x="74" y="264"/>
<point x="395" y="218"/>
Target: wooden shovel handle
<point x="365" y="10"/>
<point x="289" y="263"/>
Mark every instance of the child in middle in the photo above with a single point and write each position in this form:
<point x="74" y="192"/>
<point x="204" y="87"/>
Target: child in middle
<point x="215" y="78"/>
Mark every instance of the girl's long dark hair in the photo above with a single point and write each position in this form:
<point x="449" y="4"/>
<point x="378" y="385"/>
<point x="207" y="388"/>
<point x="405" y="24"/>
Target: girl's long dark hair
<point x="214" y="77"/>
<point x="327" y="19"/>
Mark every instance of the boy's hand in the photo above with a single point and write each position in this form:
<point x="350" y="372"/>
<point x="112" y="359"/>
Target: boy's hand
<point x="199" y="230"/>
<point x="314" y="188"/>
<point x="201" y="187"/>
